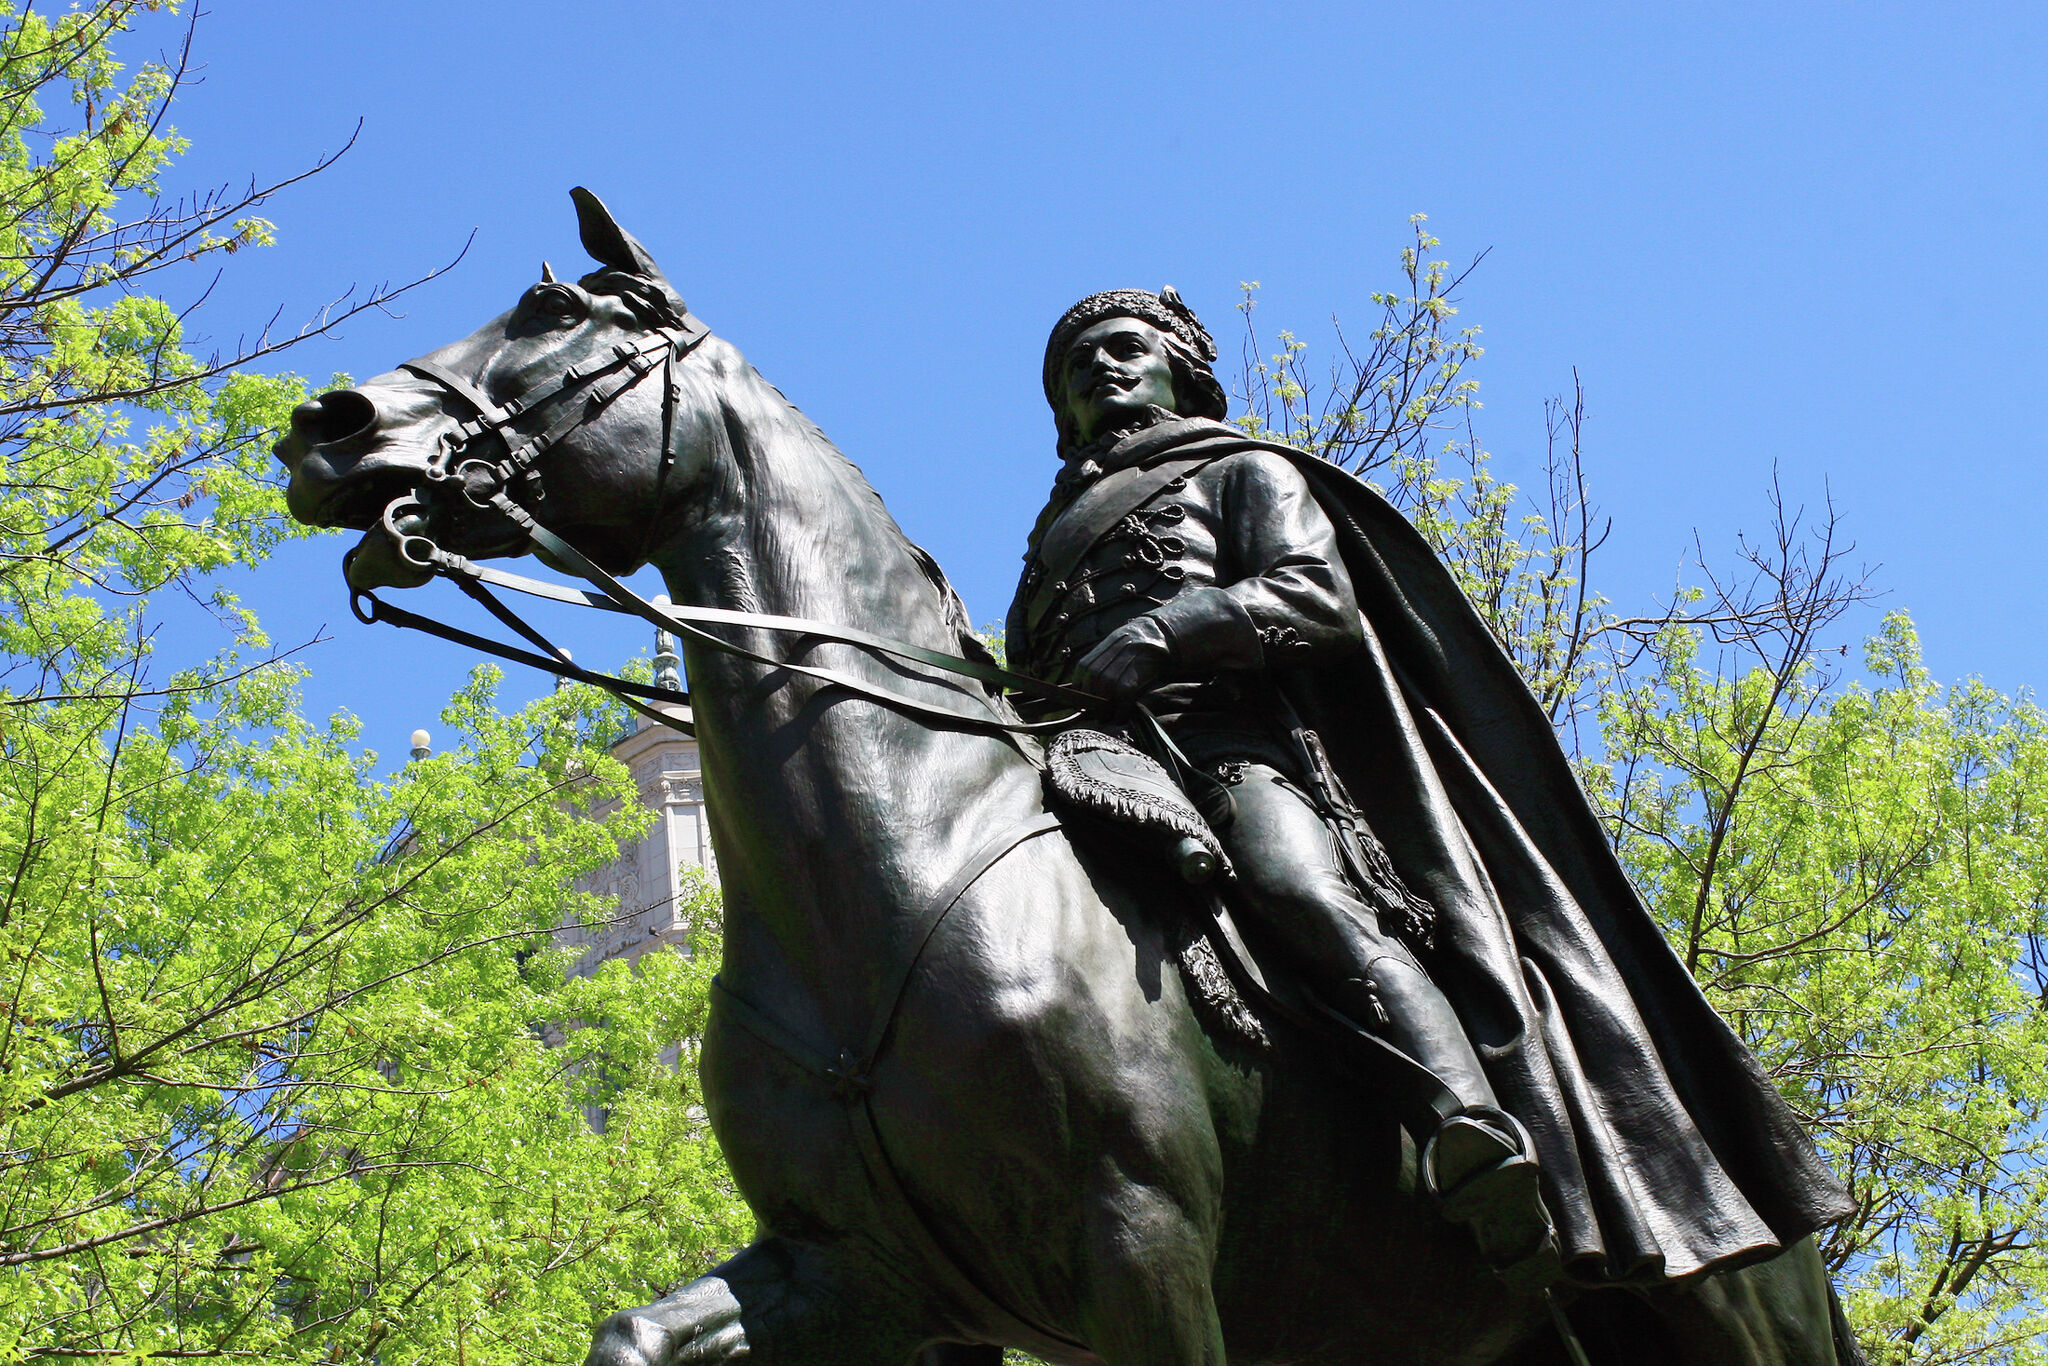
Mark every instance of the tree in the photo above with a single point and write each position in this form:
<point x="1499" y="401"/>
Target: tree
<point x="289" y="1069"/>
<point x="1377" y="413"/>
<point x="1855" y="870"/>
<point x="1858" y="876"/>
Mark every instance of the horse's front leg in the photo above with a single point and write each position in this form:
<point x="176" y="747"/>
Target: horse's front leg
<point x="778" y="1303"/>
<point x="701" y="1322"/>
<point x="1146" y="1298"/>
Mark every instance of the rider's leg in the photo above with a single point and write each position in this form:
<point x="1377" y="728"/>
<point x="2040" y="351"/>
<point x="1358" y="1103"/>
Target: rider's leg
<point x="1289" y="869"/>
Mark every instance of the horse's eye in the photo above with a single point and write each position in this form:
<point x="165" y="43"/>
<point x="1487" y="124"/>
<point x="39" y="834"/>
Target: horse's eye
<point x="555" y="301"/>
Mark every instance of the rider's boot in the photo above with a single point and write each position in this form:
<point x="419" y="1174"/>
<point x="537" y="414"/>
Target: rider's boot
<point x="1481" y="1162"/>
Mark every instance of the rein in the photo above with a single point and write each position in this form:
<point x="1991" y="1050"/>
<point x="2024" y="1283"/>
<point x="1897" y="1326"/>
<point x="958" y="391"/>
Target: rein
<point x="485" y="485"/>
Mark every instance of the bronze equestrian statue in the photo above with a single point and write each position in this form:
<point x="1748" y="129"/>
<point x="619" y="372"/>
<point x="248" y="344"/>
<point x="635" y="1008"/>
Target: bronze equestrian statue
<point x="987" y="1071"/>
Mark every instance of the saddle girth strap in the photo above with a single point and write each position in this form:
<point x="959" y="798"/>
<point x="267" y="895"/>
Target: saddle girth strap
<point x="849" y="1068"/>
<point x="848" y="1075"/>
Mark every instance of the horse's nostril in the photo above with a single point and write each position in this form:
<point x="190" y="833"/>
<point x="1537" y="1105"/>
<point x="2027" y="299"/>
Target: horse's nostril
<point x="333" y="417"/>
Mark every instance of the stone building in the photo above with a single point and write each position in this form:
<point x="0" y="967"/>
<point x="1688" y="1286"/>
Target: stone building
<point x="648" y="881"/>
<point x="652" y="880"/>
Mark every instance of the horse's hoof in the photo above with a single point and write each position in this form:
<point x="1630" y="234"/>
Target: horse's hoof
<point x="625" y="1339"/>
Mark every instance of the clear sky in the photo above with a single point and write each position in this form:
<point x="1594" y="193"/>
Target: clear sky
<point x="1799" y="236"/>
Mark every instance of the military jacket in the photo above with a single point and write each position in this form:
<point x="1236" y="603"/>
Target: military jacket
<point x="1232" y="556"/>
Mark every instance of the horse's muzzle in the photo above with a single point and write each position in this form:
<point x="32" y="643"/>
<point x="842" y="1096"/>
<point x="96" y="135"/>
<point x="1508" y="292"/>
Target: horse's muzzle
<point x="396" y="552"/>
<point x="334" y="417"/>
<point x="375" y="562"/>
<point x="352" y="451"/>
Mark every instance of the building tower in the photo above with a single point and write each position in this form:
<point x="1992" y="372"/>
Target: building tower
<point x="647" y="880"/>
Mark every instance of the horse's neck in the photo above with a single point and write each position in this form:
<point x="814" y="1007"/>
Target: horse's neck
<point x="835" y="817"/>
<point x="799" y="531"/>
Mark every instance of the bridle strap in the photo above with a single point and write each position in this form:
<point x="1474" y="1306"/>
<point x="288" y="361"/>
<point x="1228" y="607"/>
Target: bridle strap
<point x="522" y="456"/>
<point x="455" y="384"/>
<point x="684" y="621"/>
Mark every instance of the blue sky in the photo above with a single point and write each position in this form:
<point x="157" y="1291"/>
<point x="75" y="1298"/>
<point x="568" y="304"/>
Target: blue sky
<point x="1801" y="237"/>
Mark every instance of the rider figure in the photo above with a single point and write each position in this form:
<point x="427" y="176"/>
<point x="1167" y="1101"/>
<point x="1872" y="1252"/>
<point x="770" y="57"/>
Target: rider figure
<point x="1204" y="583"/>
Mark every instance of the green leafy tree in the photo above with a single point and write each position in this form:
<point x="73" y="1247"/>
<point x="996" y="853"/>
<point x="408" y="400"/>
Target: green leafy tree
<point x="1398" y="410"/>
<point x="1858" y="876"/>
<point x="289" y="1066"/>
<point x="1854" y="869"/>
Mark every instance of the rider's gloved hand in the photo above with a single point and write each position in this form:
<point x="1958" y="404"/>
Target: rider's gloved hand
<point x="1126" y="662"/>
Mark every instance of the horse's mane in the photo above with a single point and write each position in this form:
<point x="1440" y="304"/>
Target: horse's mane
<point x="848" y="476"/>
<point x="656" y="305"/>
<point x="951" y="607"/>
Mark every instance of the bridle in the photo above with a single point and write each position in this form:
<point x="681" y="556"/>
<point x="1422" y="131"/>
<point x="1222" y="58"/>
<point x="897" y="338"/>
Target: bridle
<point x="600" y="380"/>
<point x="529" y="427"/>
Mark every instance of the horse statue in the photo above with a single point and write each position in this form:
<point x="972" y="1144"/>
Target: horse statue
<point x="960" y="1069"/>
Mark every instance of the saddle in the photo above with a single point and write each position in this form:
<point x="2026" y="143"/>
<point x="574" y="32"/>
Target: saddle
<point x="1236" y="977"/>
<point x="1106" y="777"/>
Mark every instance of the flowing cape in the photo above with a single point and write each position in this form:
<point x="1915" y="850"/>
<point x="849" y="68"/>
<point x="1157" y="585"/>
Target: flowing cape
<point x="1667" y="1149"/>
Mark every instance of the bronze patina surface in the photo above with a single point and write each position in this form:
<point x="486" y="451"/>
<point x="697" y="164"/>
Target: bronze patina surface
<point x="967" y="1069"/>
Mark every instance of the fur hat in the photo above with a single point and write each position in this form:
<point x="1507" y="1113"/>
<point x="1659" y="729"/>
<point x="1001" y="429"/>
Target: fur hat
<point x="1163" y="310"/>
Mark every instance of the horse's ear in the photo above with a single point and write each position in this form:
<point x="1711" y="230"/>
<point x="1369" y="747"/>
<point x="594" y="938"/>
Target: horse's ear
<point x="615" y="248"/>
<point x="607" y="242"/>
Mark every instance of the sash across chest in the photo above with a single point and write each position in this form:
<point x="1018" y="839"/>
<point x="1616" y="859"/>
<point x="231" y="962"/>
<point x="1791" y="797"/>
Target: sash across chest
<point x="1077" y="532"/>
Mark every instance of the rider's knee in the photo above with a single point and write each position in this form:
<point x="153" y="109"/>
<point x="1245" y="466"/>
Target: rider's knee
<point x="1284" y="852"/>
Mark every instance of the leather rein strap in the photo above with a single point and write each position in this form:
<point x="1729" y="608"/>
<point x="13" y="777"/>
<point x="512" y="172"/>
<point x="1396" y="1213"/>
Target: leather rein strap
<point x="684" y="621"/>
<point x="486" y="485"/>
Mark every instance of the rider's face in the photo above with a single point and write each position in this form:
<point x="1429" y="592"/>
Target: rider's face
<point x="1113" y="371"/>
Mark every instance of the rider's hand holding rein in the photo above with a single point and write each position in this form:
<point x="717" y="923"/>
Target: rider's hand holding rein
<point x="1128" y="661"/>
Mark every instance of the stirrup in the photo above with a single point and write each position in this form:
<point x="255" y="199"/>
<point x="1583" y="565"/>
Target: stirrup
<point x="1500" y="1199"/>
